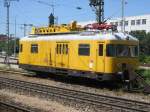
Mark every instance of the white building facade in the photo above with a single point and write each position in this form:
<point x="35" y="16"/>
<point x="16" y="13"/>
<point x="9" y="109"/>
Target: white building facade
<point x="133" y="23"/>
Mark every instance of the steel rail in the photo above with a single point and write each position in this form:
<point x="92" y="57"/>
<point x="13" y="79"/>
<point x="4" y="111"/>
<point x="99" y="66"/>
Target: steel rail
<point x="15" y="71"/>
<point x="17" y="108"/>
<point x="88" y="98"/>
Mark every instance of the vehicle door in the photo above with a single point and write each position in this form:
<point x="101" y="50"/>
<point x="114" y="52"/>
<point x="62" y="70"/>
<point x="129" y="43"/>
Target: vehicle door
<point x="65" y="55"/>
<point x="62" y="55"/>
<point x="100" y="65"/>
<point x="58" y="55"/>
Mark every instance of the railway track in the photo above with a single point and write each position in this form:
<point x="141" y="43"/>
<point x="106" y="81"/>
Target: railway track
<point x="9" y="107"/>
<point x="146" y="65"/>
<point x="78" y="96"/>
<point x="16" y="72"/>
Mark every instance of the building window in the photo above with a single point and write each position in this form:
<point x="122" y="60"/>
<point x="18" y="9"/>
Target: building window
<point x="34" y="48"/>
<point x="120" y="24"/>
<point x="126" y="23"/>
<point x="100" y="50"/>
<point x="84" y="49"/>
<point x="132" y="22"/>
<point x="143" y="21"/>
<point x="111" y="23"/>
<point x="138" y="22"/>
<point x="116" y="23"/>
<point x="20" y="47"/>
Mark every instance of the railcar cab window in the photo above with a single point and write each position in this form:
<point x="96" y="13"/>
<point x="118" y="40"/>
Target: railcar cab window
<point x="34" y="48"/>
<point x="111" y="50"/>
<point x="134" y="51"/>
<point x="84" y="50"/>
<point x="127" y="51"/>
<point x="20" y="47"/>
<point x="122" y="50"/>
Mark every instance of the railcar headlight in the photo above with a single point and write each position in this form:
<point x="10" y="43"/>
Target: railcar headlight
<point x="120" y="73"/>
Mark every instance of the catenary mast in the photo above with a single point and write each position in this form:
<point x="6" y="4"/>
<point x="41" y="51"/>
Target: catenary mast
<point x="98" y="7"/>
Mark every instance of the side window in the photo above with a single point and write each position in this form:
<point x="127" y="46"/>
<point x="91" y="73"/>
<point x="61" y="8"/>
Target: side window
<point x="66" y="48"/>
<point x="111" y="50"/>
<point x="57" y="48"/>
<point x="60" y="48"/>
<point x="132" y="22"/>
<point x="143" y="21"/>
<point x="138" y="22"/>
<point x="100" y="50"/>
<point x="84" y="49"/>
<point x="21" y="48"/>
<point x="63" y="49"/>
<point x="34" y="48"/>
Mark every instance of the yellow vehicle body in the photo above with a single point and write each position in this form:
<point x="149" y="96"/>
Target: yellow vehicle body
<point x="63" y="54"/>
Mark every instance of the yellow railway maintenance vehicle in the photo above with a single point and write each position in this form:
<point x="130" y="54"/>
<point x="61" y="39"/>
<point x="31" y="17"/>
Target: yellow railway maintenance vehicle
<point x="102" y="55"/>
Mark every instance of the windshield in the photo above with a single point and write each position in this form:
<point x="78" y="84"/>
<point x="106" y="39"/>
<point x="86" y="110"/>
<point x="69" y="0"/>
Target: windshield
<point x="122" y="50"/>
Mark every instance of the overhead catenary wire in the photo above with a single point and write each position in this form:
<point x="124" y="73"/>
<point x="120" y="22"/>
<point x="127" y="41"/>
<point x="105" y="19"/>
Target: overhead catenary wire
<point x="52" y="5"/>
<point x="113" y="14"/>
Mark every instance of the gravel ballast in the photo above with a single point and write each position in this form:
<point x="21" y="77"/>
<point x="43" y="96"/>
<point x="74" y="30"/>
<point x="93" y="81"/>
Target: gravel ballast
<point x="51" y="82"/>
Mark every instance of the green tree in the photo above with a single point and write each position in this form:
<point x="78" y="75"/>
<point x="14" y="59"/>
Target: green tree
<point x="144" y="42"/>
<point x="4" y="46"/>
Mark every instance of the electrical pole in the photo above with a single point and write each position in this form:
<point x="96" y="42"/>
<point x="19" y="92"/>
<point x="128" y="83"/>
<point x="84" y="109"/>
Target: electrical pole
<point x="7" y="5"/>
<point x="98" y="6"/>
<point x="15" y="37"/>
<point x="123" y="19"/>
<point x="25" y="28"/>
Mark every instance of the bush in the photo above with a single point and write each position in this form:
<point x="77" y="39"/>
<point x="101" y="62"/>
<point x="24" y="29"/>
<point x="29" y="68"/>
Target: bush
<point x="144" y="59"/>
<point x="144" y="40"/>
<point x="145" y="74"/>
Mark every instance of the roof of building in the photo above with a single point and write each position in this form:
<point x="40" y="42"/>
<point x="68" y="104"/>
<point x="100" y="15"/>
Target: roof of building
<point x="136" y="16"/>
<point x="83" y="23"/>
<point x="3" y="37"/>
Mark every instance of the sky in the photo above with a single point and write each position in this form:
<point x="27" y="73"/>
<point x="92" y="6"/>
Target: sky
<point x="32" y="12"/>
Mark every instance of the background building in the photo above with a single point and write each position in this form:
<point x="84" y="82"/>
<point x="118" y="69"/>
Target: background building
<point x="133" y="23"/>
